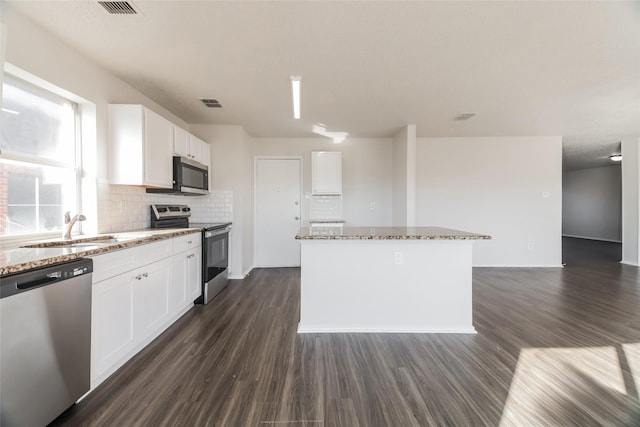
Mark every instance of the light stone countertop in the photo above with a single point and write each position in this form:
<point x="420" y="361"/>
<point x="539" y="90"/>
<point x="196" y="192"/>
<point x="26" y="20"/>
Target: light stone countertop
<point x="386" y="233"/>
<point x="22" y="259"/>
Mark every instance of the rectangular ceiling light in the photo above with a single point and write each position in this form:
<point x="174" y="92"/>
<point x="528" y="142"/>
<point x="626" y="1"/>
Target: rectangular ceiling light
<point x="295" y="91"/>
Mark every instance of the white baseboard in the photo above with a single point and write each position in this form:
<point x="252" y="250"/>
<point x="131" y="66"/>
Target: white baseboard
<point x="519" y="266"/>
<point x="592" y="238"/>
<point x="241" y="276"/>
<point x="302" y="329"/>
<point x="635" y="264"/>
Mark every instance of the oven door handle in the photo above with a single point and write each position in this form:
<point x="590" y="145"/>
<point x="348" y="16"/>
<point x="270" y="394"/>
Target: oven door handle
<point x="214" y="233"/>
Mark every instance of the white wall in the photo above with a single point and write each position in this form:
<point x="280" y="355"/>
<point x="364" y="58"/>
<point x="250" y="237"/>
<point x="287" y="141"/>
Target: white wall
<point x="33" y="50"/>
<point x="507" y="187"/>
<point x="631" y="201"/>
<point x="366" y="174"/>
<point x="592" y="203"/>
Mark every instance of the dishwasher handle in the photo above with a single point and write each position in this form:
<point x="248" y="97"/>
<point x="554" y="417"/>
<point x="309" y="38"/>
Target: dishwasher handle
<point x="25" y="281"/>
<point x="37" y="282"/>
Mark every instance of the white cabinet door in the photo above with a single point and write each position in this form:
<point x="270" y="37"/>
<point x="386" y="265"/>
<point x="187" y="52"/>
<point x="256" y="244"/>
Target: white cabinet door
<point x="206" y="154"/>
<point x="186" y="286"/>
<point x="179" y="287"/>
<point x="200" y="150"/>
<point x="141" y="147"/>
<point x="152" y="296"/>
<point x="158" y="149"/>
<point x="112" y="327"/>
<point x="180" y="142"/>
<point x="194" y="278"/>
<point x="326" y="173"/>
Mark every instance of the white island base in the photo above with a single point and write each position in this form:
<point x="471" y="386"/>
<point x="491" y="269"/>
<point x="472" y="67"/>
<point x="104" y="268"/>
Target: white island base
<point x="400" y="286"/>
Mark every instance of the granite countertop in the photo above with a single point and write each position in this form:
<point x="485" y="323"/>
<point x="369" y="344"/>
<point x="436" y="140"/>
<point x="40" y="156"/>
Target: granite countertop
<point x="43" y="253"/>
<point x="386" y="233"/>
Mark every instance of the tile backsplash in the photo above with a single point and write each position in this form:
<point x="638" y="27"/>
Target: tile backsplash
<point x="325" y="207"/>
<point x="124" y="208"/>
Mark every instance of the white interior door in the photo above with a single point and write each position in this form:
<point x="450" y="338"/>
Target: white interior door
<point x="277" y="212"/>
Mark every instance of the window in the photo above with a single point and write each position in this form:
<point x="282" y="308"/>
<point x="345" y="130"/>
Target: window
<point x="39" y="159"/>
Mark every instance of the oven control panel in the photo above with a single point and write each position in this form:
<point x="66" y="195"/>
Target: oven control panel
<point x="170" y="211"/>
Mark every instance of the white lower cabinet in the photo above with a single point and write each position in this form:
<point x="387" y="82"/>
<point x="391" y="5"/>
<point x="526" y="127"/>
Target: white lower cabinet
<point x="113" y="334"/>
<point x="186" y="278"/>
<point x="152" y="299"/>
<point x="137" y="294"/>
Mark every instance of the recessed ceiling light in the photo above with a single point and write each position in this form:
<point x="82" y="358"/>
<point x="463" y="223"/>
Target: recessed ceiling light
<point x="616" y="157"/>
<point x="464" y="116"/>
<point x="296" y="82"/>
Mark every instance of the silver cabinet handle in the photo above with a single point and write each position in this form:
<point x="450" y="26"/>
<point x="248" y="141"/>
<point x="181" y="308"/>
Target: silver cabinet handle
<point x="189" y="242"/>
<point x="191" y="256"/>
<point x="145" y="274"/>
<point x="139" y="277"/>
<point x="297" y="218"/>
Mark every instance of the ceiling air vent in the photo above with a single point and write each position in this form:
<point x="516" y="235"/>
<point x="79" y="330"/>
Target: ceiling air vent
<point x="464" y="116"/>
<point x="118" y="7"/>
<point x="211" y="103"/>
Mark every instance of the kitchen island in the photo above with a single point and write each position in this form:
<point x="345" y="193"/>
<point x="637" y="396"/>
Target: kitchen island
<point x="386" y="279"/>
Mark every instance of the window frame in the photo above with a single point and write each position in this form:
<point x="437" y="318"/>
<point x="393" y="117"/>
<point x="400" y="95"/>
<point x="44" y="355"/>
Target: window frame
<point x="13" y="240"/>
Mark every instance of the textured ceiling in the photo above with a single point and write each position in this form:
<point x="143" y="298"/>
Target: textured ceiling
<point x="370" y="67"/>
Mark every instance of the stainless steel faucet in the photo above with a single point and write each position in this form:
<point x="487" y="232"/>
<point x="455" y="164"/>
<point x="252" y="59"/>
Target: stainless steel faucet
<point x="69" y="223"/>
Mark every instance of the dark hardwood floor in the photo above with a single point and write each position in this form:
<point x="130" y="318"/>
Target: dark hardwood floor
<point x="555" y="347"/>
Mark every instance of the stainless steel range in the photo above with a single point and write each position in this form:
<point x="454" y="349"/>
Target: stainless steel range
<point x="215" y="245"/>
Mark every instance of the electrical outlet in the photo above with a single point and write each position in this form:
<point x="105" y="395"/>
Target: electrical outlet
<point x="372" y="206"/>
<point x="530" y="246"/>
<point x="399" y="258"/>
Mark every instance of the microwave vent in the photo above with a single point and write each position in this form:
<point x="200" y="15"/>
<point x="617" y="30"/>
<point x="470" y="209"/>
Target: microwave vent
<point x="118" y="7"/>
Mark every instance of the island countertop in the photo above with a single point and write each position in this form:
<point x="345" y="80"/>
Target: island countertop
<point x="386" y="233"/>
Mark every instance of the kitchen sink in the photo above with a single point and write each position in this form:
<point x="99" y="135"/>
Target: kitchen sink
<point x="80" y="243"/>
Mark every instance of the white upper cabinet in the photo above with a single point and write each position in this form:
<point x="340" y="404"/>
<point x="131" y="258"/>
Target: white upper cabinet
<point x="190" y="146"/>
<point x="181" y="142"/>
<point x="200" y="150"/>
<point x="141" y="147"/>
<point x="206" y="153"/>
<point x="326" y="173"/>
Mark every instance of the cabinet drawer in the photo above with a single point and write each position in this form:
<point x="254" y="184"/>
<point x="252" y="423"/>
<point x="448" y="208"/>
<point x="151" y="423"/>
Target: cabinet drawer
<point x="186" y="242"/>
<point x="113" y="263"/>
<point x="153" y="252"/>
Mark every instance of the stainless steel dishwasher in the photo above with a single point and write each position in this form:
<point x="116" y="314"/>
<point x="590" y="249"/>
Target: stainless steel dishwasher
<point x="45" y="342"/>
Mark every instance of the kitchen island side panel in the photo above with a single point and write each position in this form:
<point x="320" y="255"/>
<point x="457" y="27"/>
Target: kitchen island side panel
<point x="414" y="286"/>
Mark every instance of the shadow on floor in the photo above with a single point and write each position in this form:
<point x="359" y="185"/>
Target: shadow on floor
<point x="585" y="251"/>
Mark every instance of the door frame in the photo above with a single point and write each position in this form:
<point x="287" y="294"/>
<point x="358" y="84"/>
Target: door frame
<point x="256" y="159"/>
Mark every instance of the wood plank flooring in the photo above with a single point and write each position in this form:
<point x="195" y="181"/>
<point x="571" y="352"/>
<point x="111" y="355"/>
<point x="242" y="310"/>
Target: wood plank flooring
<point x="555" y="347"/>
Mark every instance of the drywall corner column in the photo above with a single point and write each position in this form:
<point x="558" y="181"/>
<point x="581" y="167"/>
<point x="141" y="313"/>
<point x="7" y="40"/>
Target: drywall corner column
<point x="631" y="201"/>
<point x="399" y="187"/>
<point x="404" y="177"/>
<point x="230" y="162"/>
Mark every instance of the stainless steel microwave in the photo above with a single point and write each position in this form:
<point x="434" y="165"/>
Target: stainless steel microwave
<point x="190" y="178"/>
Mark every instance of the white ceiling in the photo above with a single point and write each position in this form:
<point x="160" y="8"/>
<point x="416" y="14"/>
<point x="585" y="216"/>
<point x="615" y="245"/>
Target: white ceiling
<point x="370" y="67"/>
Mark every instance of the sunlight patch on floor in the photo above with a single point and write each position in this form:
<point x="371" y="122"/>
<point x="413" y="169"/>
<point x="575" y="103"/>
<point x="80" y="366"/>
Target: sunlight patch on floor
<point x="632" y="353"/>
<point x="570" y="386"/>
